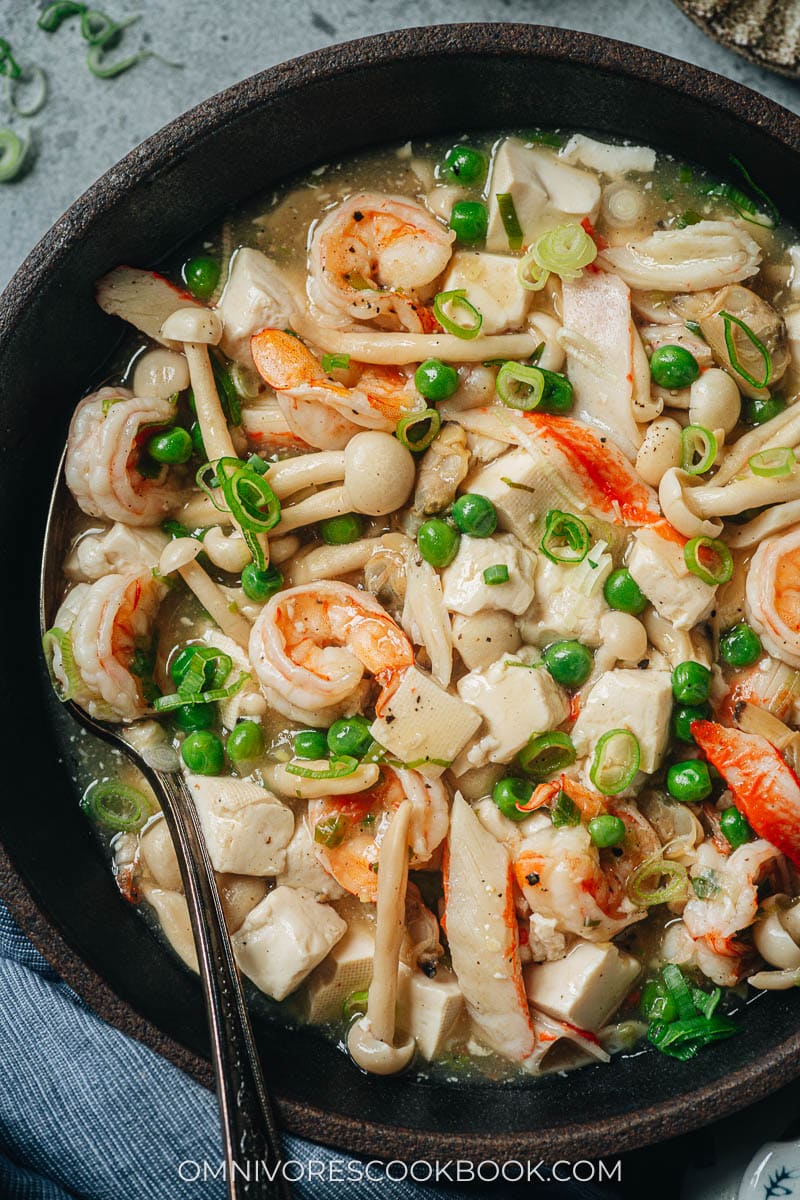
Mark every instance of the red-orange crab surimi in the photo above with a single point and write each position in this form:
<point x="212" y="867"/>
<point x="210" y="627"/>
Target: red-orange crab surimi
<point x="143" y="298"/>
<point x="764" y="787"/>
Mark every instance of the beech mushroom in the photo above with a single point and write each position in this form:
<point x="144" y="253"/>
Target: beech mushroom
<point x="159" y="374"/>
<point x="714" y="401"/>
<point x="180" y="555"/>
<point x="366" y="775"/>
<point x="226" y="550"/>
<point x="622" y="639"/>
<point x="197" y="329"/>
<point x="371" y="1039"/>
<point x="660" y="451"/>
<point x="676" y="497"/>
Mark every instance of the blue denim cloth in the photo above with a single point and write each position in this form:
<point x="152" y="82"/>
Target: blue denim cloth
<point x="86" y="1113"/>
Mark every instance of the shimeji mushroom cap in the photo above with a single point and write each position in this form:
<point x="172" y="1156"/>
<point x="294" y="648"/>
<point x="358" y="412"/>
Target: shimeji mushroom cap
<point x="199" y="325"/>
<point x="379" y="473"/>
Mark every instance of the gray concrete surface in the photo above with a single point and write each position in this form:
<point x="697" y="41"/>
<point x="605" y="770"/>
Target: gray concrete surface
<point x="89" y="123"/>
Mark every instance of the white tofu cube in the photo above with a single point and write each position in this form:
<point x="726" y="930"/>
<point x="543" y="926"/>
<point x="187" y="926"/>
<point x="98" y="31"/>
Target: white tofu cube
<point x="428" y="1009"/>
<point x="465" y="589"/>
<point x="569" y="599"/>
<point x="173" y="917"/>
<point x="585" y="987"/>
<point x="659" y="568"/>
<point x="284" y="938"/>
<point x="640" y="701"/>
<point x="515" y="700"/>
<point x="257" y="294"/>
<point x="545" y="191"/>
<point x="524" y="485"/>
<point x="492" y="285"/>
<point x="245" y="827"/>
<point x="348" y="968"/>
<point x="606" y="157"/>
<point x="303" y="870"/>
<point x="424" y="723"/>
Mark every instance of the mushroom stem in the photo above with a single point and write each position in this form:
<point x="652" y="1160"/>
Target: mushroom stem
<point x="213" y="426"/>
<point x="307" y="470"/>
<point x="181" y="556"/>
<point x="741" y="494"/>
<point x="333" y="502"/>
<point x="392" y="882"/>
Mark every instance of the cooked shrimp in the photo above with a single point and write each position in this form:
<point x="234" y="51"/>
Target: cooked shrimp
<point x="311" y="645"/>
<point x="107" y="623"/>
<point x="369" y="254"/>
<point x="773" y="595"/>
<point x="733" y="902"/>
<point x="320" y="411"/>
<point x="347" y="831"/>
<point x="103" y="447"/>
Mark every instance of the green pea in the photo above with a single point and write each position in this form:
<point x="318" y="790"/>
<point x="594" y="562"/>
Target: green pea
<point x="202" y="752"/>
<point x="689" y="781"/>
<point x="740" y="645"/>
<point x="245" y="742"/>
<point x="757" y="410"/>
<point x="683" y="716"/>
<point x="438" y="542"/>
<point x="201" y="275"/>
<point x="435" y="380"/>
<point x="463" y="164"/>
<point x="570" y="663"/>
<point x="469" y="221"/>
<point x="623" y="593"/>
<point x="674" y="367"/>
<point x="260" y="585"/>
<point x="690" y="683"/>
<point x="196" y="434"/>
<point x="191" y="717"/>
<point x="606" y="830"/>
<point x="350" y="735"/>
<point x="475" y="515"/>
<point x="656" y="1003"/>
<point x="735" y="827"/>
<point x="340" y="531"/>
<point x="170" y="446"/>
<point x="310" y="743"/>
<point x="507" y="793"/>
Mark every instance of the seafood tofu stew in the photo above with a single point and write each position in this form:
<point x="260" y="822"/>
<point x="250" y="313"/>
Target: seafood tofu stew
<point x="443" y="518"/>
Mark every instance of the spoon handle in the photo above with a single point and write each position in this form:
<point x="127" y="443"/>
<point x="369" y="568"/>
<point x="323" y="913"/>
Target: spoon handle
<point x="250" y="1136"/>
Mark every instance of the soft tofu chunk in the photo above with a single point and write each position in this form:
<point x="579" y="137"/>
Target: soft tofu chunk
<point x="303" y="869"/>
<point x="515" y="700"/>
<point x="606" y="157"/>
<point x="584" y="988"/>
<point x="569" y="599"/>
<point x="173" y="917"/>
<point x="245" y="827"/>
<point x="659" y="568"/>
<point x="545" y="190"/>
<point x="256" y="295"/>
<point x="348" y="968"/>
<point x="284" y="938"/>
<point x="465" y="590"/>
<point x="540" y="486"/>
<point x="159" y="858"/>
<point x="628" y="699"/>
<point x="428" y="1009"/>
<point x="492" y="285"/>
<point x="423" y="721"/>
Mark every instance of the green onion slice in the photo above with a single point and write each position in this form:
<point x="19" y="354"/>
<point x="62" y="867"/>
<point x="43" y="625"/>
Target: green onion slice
<point x="679" y="990"/>
<point x="771" y="206"/>
<point x="508" y="215"/>
<point x="335" y="362"/>
<point x="57" y="646"/>
<point x="683" y="1039"/>
<point x="97" y="28"/>
<point x="330" y="831"/>
<point x="164" y="704"/>
<point x="546" y="753"/>
<point x="356" y="1002"/>
<point x="13" y="152"/>
<point x="640" y="883"/>
<point x="38" y="77"/>
<point x="728" y="321"/>
<point x="721" y="569"/>
<point x="699" y="449"/>
<point x="207" y="667"/>
<point x="543" y="137"/>
<point x="566" y="538"/>
<point x="248" y="497"/>
<point x="530" y="275"/>
<point x="117" y="806"/>
<point x="55" y="13"/>
<point x="706" y="1002"/>
<point x="457" y="300"/>
<point x="615" y="761"/>
<point x="565" y="251"/>
<point x="496" y="574"/>
<point x="565" y="812"/>
<point x="768" y="464"/>
<point x="417" y="430"/>
<point x="694" y="327"/>
<point x="338" y="768"/>
<point x="519" y="386"/>
<point x="8" y="64"/>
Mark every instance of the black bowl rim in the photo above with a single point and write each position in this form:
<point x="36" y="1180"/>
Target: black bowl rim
<point x="179" y="137"/>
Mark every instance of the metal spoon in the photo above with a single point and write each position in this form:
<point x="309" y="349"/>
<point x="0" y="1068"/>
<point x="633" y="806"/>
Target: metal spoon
<point x="251" y="1142"/>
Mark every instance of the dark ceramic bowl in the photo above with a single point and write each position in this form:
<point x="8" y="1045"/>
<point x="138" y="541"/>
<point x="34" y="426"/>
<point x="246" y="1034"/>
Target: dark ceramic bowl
<point x="53" y="340"/>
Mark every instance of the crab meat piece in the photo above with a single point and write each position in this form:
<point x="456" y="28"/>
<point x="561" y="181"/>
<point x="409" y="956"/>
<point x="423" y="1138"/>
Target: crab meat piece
<point x="142" y="298"/>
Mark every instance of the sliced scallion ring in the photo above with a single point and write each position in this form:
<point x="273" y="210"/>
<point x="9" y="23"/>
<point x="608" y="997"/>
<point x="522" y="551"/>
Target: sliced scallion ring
<point x="13" y="152"/>
<point x="728" y="321"/>
<point x="530" y="275"/>
<point x="330" y="831"/>
<point x="774" y="462"/>
<point x="546" y="753"/>
<point x="566" y="538"/>
<point x="117" y="806"/>
<point x="249" y="498"/>
<point x="57" y="646"/>
<point x="519" y="386"/>
<point x="37" y="77"/>
<point x="615" y="761"/>
<point x="8" y="64"/>
<point x="356" y="1002"/>
<point x="654" y="870"/>
<point x="511" y="225"/>
<point x="699" y="449"/>
<point x="565" y="251"/>
<point x="57" y="12"/>
<point x="718" y="570"/>
<point x="338" y="768"/>
<point x="335" y="362"/>
<point x="164" y="704"/>
<point x="457" y="300"/>
<point x="417" y="430"/>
